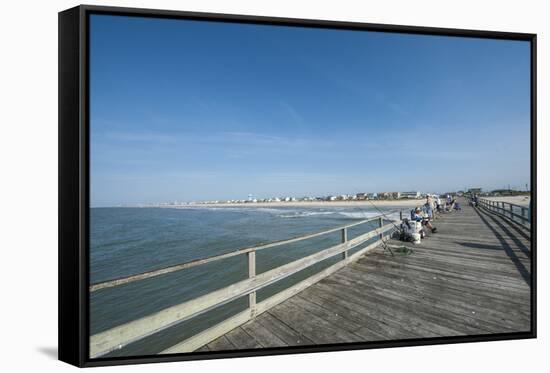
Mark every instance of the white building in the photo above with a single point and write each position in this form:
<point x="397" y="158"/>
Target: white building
<point x="411" y="195"/>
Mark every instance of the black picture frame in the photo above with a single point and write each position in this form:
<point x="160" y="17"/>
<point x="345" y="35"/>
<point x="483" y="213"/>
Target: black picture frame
<point x="74" y="188"/>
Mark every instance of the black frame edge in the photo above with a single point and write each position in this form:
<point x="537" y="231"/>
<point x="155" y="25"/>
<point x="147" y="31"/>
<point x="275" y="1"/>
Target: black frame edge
<point x="305" y="22"/>
<point x="534" y="185"/>
<point x="70" y="274"/>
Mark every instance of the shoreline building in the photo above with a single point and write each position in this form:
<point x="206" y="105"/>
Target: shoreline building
<point x="412" y="195"/>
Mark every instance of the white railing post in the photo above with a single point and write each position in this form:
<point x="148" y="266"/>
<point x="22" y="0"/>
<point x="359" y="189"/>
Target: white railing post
<point x="251" y="274"/>
<point x="344" y="240"/>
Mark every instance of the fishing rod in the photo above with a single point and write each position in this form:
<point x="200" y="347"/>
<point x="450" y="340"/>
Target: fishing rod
<point x="386" y="247"/>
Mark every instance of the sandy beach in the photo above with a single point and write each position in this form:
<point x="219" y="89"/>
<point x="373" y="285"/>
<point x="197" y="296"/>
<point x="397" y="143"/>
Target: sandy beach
<point x="518" y="200"/>
<point x="385" y="203"/>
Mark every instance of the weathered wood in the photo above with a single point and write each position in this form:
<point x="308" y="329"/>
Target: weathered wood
<point x="203" y="349"/>
<point x="378" y="324"/>
<point x="214" y="332"/>
<point x="209" y="334"/>
<point x="465" y="280"/>
<point x="221" y="344"/>
<point x="286" y="334"/>
<point x="344" y="239"/>
<point x="122" y="335"/>
<point x="263" y="336"/>
<point x="335" y="318"/>
<point x="242" y="340"/>
<point x="252" y="274"/>
<point x="460" y="299"/>
<point x="313" y="327"/>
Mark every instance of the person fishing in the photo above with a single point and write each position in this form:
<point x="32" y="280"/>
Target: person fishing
<point x="424" y="221"/>
<point x="438" y="205"/>
<point x="428" y="207"/>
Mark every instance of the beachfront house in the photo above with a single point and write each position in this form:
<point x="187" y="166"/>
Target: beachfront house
<point x="389" y="195"/>
<point x="411" y="195"/>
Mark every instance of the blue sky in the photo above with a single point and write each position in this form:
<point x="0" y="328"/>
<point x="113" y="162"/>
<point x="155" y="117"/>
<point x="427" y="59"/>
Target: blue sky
<point x="186" y="110"/>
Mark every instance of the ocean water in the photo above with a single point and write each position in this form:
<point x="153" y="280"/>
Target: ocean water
<point x="126" y="241"/>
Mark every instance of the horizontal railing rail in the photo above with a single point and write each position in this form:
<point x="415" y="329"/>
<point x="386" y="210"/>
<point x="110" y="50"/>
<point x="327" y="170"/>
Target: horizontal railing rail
<point x="507" y="210"/>
<point x="120" y="336"/>
<point x="194" y="263"/>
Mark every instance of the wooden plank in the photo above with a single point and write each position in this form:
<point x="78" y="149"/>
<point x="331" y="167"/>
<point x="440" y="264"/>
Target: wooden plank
<point x="472" y="287"/>
<point x="413" y="325"/>
<point x="374" y="326"/>
<point x="462" y="275"/>
<point x="501" y="271"/>
<point x="314" y="328"/>
<point x="501" y="285"/>
<point x="434" y="292"/>
<point x="288" y="335"/>
<point x="333" y="317"/>
<point x="242" y="340"/>
<point x="483" y="318"/>
<point x="264" y="336"/>
<point x="221" y="344"/>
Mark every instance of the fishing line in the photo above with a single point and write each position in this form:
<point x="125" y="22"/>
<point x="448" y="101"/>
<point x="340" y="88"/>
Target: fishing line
<point x="401" y="250"/>
<point x="384" y="244"/>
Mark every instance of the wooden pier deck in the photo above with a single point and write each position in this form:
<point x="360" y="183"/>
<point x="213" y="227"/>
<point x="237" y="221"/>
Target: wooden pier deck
<point x="470" y="278"/>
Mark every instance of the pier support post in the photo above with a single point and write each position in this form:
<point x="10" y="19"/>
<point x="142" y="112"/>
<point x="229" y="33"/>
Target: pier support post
<point x="401" y="215"/>
<point x="381" y="224"/>
<point x="344" y="240"/>
<point x="252" y="273"/>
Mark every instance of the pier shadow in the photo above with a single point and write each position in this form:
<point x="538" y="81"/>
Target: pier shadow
<point x="49" y="351"/>
<point x="521" y="230"/>
<point x="479" y="246"/>
<point x="524" y="249"/>
<point x="524" y="272"/>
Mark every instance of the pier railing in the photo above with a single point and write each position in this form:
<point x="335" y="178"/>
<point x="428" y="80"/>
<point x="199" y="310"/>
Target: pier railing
<point x="116" y="338"/>
<point x="516" y="213"/>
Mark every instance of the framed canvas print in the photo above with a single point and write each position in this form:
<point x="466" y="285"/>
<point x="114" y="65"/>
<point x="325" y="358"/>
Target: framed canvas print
<point x="235" y="186"/>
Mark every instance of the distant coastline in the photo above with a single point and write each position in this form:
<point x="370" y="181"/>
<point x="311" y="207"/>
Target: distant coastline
<point x="378" y="203"/>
